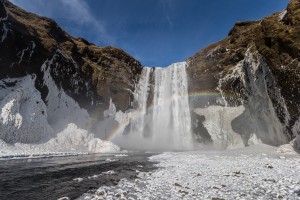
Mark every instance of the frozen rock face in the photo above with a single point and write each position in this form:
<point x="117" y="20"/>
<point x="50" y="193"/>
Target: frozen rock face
<point x="218" y="123"/>
<point x="29" y="127"/>
<point x="250" y="118"/>
<point x="49" y="80"/>
<point x="23" y="116"/>
<point x="257" y="67"/>
<point x="89" y="74"/>
<point x="61" y="108"/>
<point x="260" y="88"/>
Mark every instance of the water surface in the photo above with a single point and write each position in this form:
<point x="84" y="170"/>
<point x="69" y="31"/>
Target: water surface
<point x="52" y="178"/>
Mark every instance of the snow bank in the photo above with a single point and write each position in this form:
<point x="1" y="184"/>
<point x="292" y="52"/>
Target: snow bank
<point x="79" y="139"/>
<point x="71" y="141"/>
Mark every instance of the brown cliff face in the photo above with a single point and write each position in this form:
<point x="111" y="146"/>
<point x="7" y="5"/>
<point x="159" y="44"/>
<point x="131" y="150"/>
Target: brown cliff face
<point x="275" y="40"/>
<point x="89" y="74"/>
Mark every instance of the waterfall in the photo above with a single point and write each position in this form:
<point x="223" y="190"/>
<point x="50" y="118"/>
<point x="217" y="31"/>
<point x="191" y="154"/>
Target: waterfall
<point x="161" y="107"/>
<point x="171" y="113"/>
<point x="141" y="97"/>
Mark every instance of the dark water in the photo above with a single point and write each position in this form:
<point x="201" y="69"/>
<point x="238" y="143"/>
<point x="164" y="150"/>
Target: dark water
<point x="52" y="178"/>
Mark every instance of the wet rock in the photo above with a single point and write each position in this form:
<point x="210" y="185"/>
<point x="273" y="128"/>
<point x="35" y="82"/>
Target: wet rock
<point x="269" y="166"/>
<point x="218" y="186"/>
<point x="183" y="192"/>
<point x="177" y="185"/>
<point x="217" y="198"/>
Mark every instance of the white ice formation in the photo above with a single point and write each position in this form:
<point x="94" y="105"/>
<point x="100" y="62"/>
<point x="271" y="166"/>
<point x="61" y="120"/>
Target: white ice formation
<point x="218" y="121"/>
<point x="255" y="121"/>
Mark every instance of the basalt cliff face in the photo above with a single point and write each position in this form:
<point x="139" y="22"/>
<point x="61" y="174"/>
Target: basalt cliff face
<point x="255" y="68"/>
<point x="89" y="74"/>
<point x="48" y="76"/>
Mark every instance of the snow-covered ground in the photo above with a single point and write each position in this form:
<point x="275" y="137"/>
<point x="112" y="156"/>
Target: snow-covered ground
<point x="256" y="172"/>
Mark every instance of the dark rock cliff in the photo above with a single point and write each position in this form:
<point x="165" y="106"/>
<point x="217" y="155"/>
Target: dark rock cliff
<point x="225" y="67"/>
<point x="91" y="75"/>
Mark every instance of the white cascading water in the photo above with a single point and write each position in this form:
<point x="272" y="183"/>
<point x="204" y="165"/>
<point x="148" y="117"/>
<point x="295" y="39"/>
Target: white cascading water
<point x="171" y="112"/>
<point x="167" y="123"/>
<point x="141" y="97"/>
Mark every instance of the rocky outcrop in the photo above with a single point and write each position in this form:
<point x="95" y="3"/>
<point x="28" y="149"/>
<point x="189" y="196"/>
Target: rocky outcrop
<point x="89" y="74"/>
<point x="49" y="79"/>
<point x="257" y="66"/>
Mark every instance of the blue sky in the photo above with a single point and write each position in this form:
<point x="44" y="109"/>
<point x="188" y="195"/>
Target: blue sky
<point x="156" y="32"/>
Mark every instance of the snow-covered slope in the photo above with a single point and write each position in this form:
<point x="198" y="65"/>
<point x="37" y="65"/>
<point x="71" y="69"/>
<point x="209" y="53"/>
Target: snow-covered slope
<point x="23" y="116"/>
<point x="30" y="127"/>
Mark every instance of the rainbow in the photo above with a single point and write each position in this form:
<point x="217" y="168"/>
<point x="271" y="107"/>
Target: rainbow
<point x="135" y="115"/>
